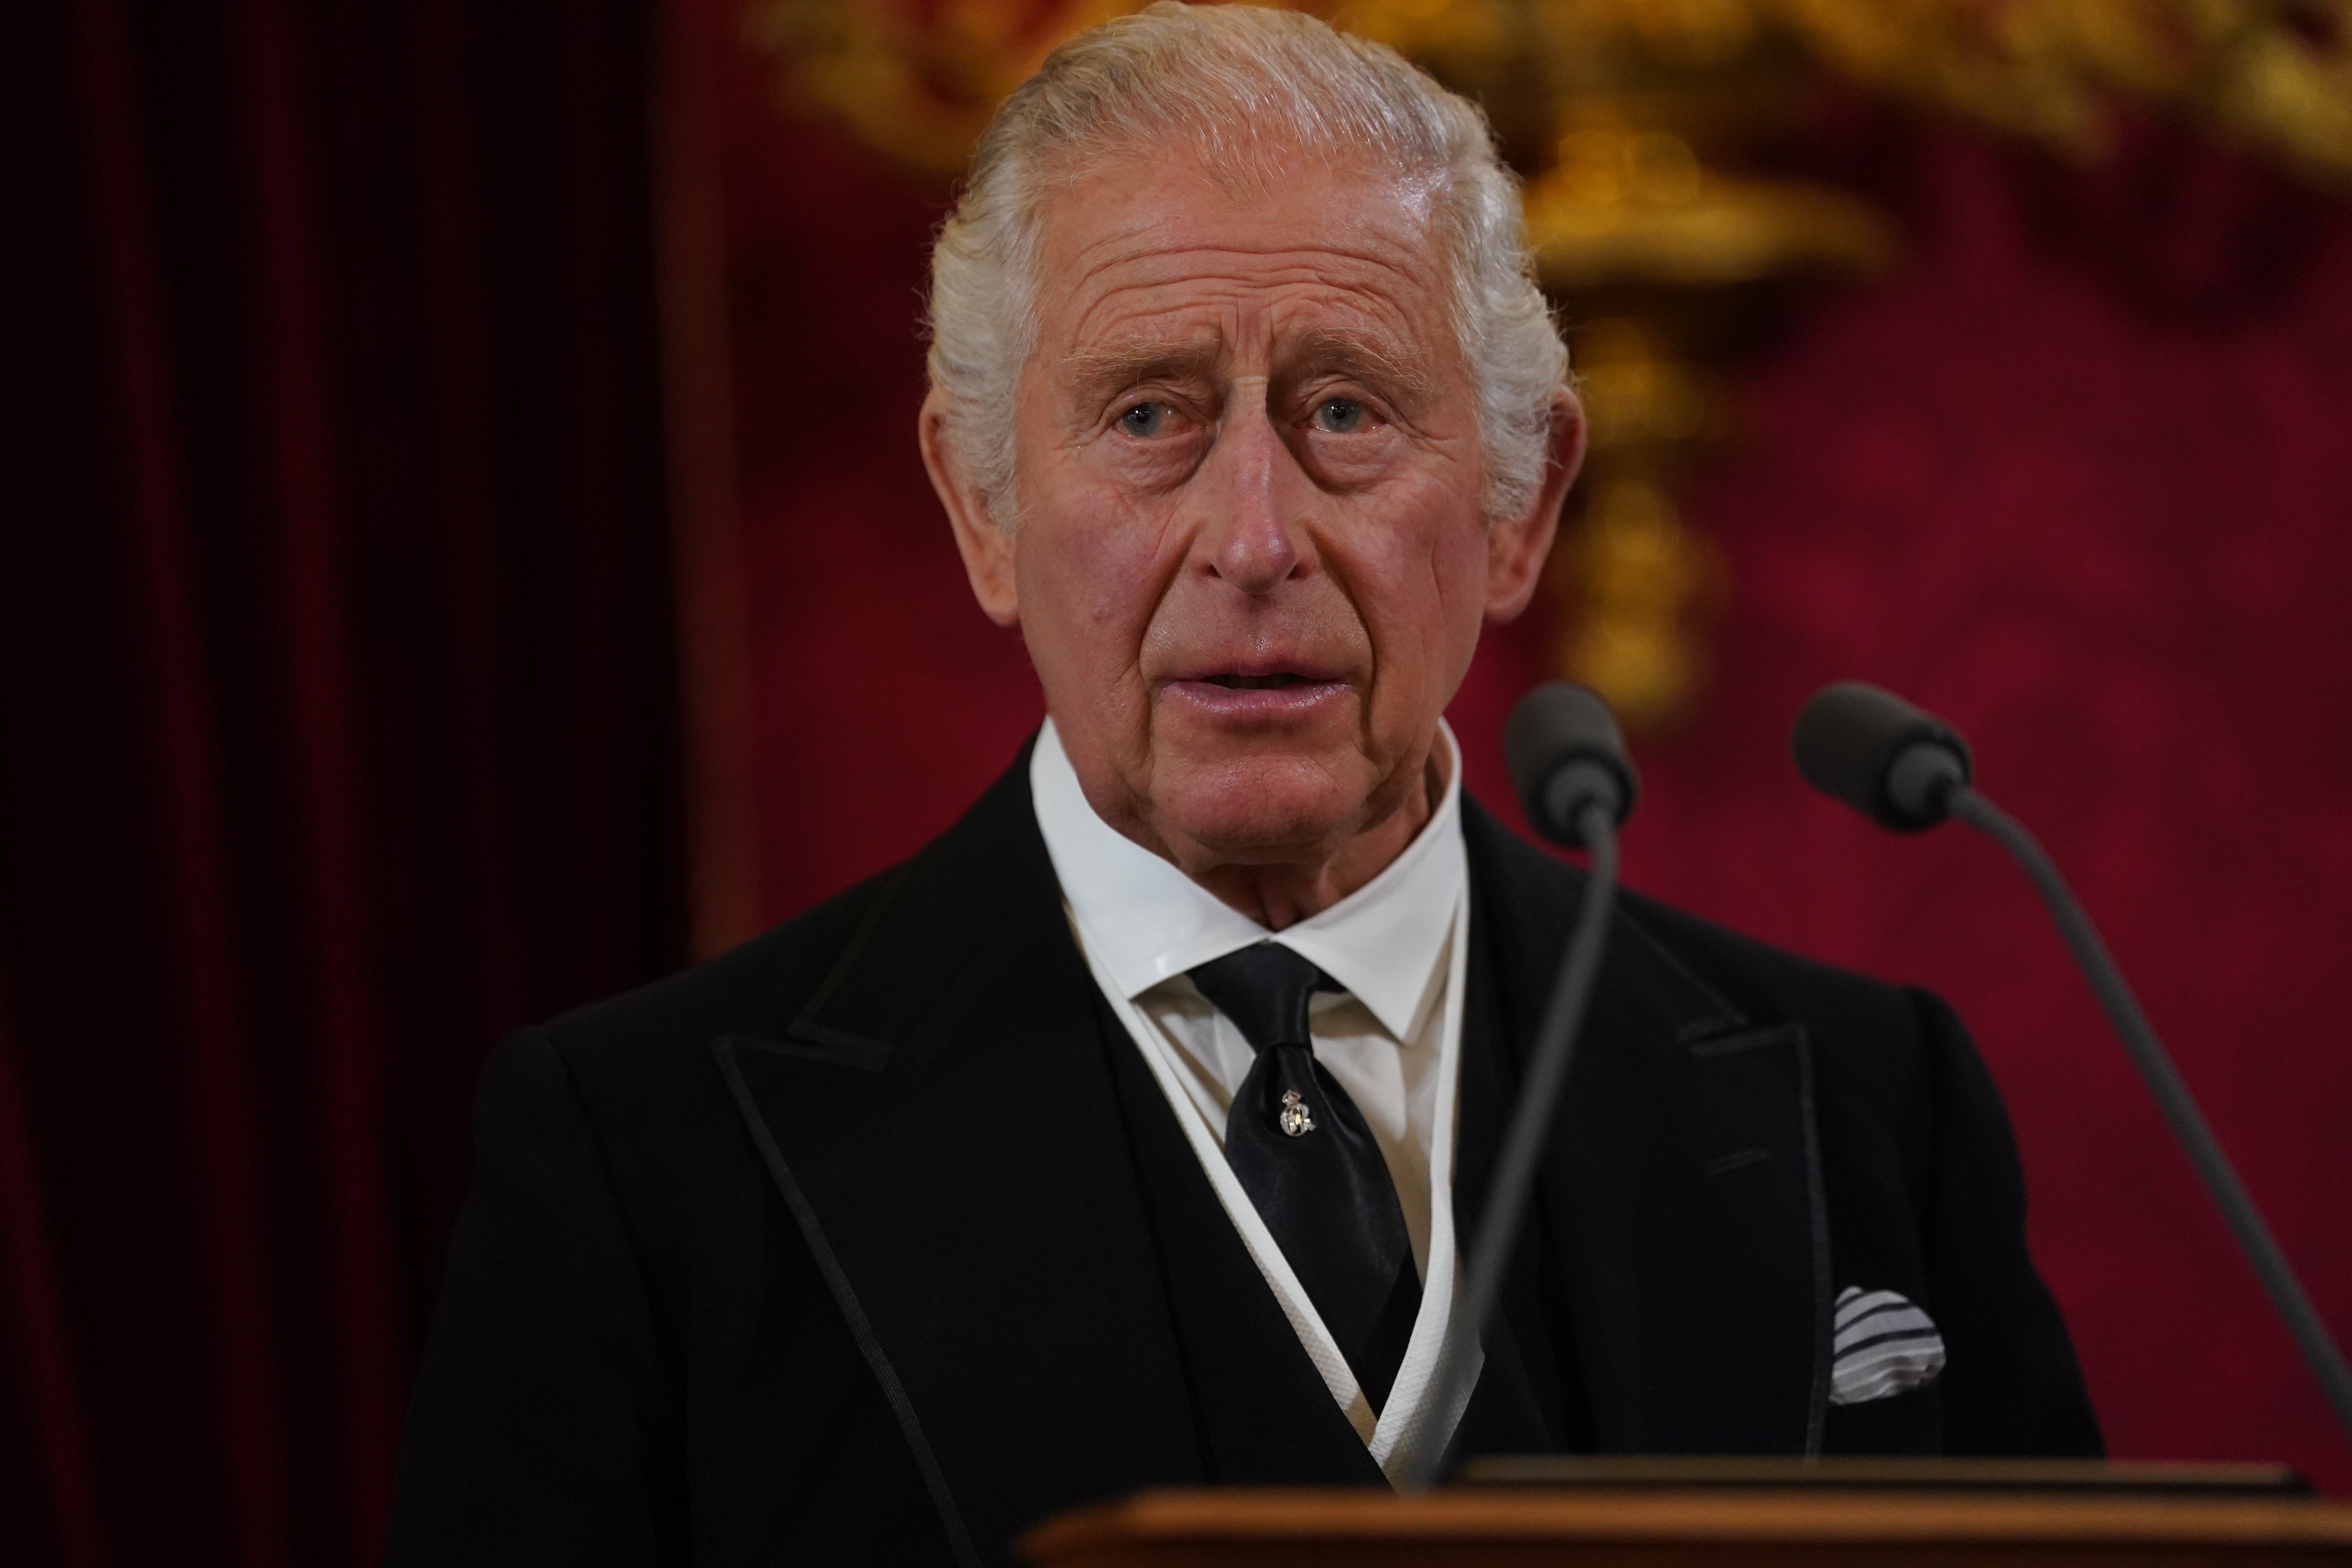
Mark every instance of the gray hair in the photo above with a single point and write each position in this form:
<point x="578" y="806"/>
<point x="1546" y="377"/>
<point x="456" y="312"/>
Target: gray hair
<point x="1229" y="80"/>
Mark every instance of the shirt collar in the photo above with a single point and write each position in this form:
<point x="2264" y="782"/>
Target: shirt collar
<point x="1146" y="922"/>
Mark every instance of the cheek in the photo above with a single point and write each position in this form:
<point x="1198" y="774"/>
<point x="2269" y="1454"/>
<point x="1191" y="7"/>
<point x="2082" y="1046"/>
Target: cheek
<point x="1089" y="571"/>
<point x="1422" y="586"/>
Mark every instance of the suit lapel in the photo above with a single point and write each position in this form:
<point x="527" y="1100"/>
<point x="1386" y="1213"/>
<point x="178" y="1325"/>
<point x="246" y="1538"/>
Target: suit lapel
<point x="1680" y="1197"/>
<point x="941" y="1120"/>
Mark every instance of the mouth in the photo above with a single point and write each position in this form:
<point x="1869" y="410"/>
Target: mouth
<point x="1279" y="681"/>
<point x="1256" y="699"/>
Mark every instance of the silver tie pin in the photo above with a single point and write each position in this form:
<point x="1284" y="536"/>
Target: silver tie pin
<point x="1292" y="1118"/>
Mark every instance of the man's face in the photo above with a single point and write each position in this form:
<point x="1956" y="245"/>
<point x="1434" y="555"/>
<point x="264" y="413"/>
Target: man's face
<point x="1249" y="563"/>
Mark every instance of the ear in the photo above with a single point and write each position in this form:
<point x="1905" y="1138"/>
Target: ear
<point x="987" y="549"/>
<point x="1517" y="546"/>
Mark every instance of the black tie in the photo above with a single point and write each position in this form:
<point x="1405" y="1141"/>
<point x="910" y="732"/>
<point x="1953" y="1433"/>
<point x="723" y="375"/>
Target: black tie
<point x="1309" y="1162"/>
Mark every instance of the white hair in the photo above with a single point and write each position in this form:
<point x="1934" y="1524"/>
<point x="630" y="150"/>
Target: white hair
<point x="1230" y="81"/>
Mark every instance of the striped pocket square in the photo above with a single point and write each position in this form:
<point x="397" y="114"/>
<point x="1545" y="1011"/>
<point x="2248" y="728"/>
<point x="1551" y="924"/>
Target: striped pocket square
<point x="1884" y="1345"/>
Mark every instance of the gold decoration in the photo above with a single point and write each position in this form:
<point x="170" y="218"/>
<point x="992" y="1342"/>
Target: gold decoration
<point x="916" y="81"/>
<point x="1640" y="574"/>
<point x="1623" y="205"/>
<point x="2273" y="74"/>
<point x="1633" y="581"/>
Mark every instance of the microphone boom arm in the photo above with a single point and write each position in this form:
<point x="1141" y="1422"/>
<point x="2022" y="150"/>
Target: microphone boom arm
<point x="2172" y="1096"/>
<point x="1523" y="1145"/>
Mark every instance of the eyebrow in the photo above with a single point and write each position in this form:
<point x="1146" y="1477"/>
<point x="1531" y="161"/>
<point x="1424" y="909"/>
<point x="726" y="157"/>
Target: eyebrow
<point x="1100" y="372"/>
<point x="1362" y="358"/>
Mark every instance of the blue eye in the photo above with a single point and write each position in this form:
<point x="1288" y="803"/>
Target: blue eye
<point x="1144" y="419"/>
<point x="1340" y="415"/>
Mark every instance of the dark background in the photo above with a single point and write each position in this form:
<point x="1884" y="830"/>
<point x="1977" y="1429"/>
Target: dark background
<point x="338" y="697"/>
<point x="339" y="726"/>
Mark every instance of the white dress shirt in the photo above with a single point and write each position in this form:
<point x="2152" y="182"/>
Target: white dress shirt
<point x="1392" y="1041"/>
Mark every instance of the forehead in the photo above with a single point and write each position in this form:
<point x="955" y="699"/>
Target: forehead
<point x="1162" y="249"/>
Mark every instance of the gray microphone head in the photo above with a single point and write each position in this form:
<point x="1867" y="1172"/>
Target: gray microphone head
<point x="1563" y="750"/>
<point x="1894" y="763"/>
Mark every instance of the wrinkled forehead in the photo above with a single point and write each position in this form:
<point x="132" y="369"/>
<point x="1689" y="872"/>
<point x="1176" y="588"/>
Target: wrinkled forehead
<point x="1170" y="248"/>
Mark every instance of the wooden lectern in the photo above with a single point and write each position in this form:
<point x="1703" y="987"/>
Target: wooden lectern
<point x="1760" y="1513"/>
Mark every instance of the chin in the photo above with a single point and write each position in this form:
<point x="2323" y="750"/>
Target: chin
<point x="1262" y="809"/>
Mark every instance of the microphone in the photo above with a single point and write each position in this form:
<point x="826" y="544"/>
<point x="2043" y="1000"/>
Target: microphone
<point x="1564" y="750"/>
<point x="1906" y="770"/>
<point x="1886" y="759"/>
<point x="1567" y="759"/>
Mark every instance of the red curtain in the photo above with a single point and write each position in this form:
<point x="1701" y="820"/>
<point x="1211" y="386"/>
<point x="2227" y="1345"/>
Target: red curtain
<point x="340" y="724"/>
<point x="2078" y="475"/>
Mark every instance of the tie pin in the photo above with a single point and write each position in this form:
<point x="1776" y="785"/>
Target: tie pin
<point x="1292" y="1118"/>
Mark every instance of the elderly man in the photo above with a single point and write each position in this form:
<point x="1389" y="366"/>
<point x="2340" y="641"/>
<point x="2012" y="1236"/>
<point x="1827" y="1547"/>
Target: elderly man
<point x="1126" y="1134"/>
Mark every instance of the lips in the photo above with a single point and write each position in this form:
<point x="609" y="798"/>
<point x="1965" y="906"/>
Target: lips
<point x="1257" y="696"/>
<point x="1259" y="670"/>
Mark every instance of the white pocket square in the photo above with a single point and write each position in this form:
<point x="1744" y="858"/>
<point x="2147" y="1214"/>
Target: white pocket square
<point x="1883" y="1344"/>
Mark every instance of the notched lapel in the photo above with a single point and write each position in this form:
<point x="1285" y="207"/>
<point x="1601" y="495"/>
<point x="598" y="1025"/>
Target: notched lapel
<point x="1687" y="1183"/>
<point x="811" y="1038"/>
<point x="811" y="1044"/>
<point x="944" y="1127"/>
<point x="1681" y="1192"/>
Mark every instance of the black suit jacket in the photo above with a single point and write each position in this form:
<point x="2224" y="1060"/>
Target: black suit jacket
<point x="873" y="1240"/>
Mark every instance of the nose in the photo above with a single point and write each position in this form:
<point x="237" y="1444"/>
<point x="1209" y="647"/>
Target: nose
<point x="1249" y="485"/>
